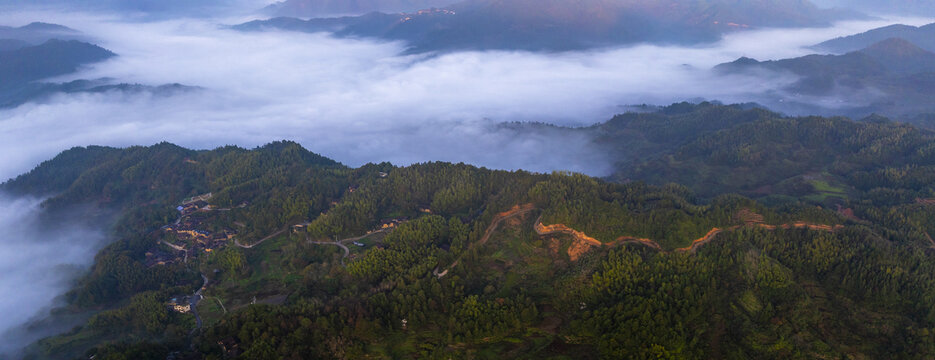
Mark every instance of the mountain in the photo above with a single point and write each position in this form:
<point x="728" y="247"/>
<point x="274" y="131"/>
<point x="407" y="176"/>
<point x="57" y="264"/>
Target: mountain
<point x="52" y="58"/>
<point x="556" y="25"/>
<point x="916" y="8"/>
<point x="292" y="255"/>
<point x="316" y="8"/>
<point x="136" y="8"/>
<point x="714" y="149"/>
<point x="39" y="92"/>
<point x="923" y="37"/>
<point x="900" y="56"/>
<point x="892" y="77"/>
<point x="37" y="33"/>
<point x="12" y="44"/>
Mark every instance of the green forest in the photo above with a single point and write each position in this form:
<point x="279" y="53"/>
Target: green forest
<point x="727" y="232"/>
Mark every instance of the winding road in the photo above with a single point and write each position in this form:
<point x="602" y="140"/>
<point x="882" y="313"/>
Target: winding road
<point x="193" y="302"/>
<point x="340" y="243"/>
<point x="275" y="234"/>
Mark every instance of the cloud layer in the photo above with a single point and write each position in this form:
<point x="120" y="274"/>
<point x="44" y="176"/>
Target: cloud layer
<point x="38" y="264"/>
<point x="359" y="101"/>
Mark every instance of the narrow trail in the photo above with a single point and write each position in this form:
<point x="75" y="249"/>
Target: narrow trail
<point x="340" y="243"/>
<point x="515" y="211"/>
<point x="352" y="239"/>
<point x="193" y="303"/>
<point x="347" y="251"/>
<point x="171" y="245"/>
<point x="275" y="234"/>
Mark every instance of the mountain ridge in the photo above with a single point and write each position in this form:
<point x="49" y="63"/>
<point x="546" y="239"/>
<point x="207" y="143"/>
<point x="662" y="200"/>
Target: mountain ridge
<point x="922" y="36"/>
<point x="557" y="25"/>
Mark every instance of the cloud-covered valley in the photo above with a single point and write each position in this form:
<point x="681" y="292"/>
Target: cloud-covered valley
<point x="359" y="101"/>
<point x="39" y="262"/>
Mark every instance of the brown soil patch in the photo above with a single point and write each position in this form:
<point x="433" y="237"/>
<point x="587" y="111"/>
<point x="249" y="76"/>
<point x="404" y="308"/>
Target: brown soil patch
<point x="560" y="228"/>
<point x="578" y="248"/>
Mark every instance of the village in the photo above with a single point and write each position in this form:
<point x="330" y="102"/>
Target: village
<point x="187" y="236"/>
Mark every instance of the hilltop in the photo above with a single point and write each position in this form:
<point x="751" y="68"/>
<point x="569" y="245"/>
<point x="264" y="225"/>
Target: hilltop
<point x="923" y="36"/>
<point x="37" y="33"/>
<point x="52" y="58"/>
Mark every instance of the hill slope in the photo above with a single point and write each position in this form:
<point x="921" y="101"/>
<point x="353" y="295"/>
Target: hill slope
<point x="893" y="77"/>
<point x="923" y="37"/>
<point x="900" y="7"/>
<point x="454" y="261"/>
<point x="52" y="58"/>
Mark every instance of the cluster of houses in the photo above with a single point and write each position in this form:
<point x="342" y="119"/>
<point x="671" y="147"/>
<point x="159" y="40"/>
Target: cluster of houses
<point x="387" y="224"/>
<point x="189" y="235"/>
<point x="180" y="304"/>
<point x="410" y="16"/>
<point x="189" y="232"/>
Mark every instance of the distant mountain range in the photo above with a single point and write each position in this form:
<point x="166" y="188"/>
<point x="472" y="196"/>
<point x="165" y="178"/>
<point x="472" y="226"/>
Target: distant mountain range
<point x="314" y="8"/>
<point x="923" y="37"/>
<point x="893" y="76"/>
<point x="902" y="7"/>
<point x="52" y="58"/>
<point x="138" y="7"/>
<point x="557" y="25"/>
<point x="12" y="38"/>
<point x="24" y="65"/>
<point x="39" y="92"/>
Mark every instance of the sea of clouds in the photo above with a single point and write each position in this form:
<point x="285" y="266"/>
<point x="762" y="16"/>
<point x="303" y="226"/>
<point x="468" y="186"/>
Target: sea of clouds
<point x="359" y="100"/>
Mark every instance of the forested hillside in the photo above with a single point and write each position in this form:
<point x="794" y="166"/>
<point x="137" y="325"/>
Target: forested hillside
<point x="826" y="253"/>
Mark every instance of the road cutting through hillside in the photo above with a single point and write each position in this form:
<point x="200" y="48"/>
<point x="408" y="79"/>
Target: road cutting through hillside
<point x="515" y="211"/>
<point x="583" y="238"/>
